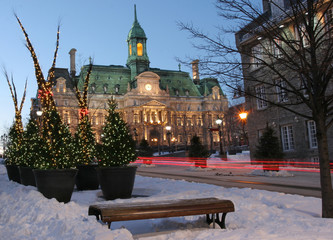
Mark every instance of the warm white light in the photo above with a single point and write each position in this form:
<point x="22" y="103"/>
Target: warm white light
<point x="243" y="115"/>
<point x="39" y="113"/>
<point x="168" y="128"/>
<point x="218" y="121"/>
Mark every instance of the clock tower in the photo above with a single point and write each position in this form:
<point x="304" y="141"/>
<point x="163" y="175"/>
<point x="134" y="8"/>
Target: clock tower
<point x="137" y="60"/>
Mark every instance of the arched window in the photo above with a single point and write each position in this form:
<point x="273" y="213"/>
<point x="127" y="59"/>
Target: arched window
<point x="139" y="49"/>
<point x="130" y="50"/>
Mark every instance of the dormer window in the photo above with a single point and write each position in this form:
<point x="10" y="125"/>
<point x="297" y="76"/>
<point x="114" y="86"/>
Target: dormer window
<point x="61" y="85"/>
<point x="105" y="88"/>
<point x="93" y="88"/>
<point x="177" y="92"/>
<point x="187" y="92"/>
<point x="139" y="49"/>
<point x="117" y="88"/>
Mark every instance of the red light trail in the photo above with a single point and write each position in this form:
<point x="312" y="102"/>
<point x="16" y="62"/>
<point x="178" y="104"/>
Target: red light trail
<point x="224" y="163"/>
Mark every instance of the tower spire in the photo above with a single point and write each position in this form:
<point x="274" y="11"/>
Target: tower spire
<point x="135" y="18"/>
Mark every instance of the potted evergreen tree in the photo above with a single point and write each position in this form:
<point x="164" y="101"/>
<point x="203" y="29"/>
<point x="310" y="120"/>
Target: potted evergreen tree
<point x="269" y="151"/>
<point x="12" y="153"/>
<point x="84" y="141"/>
<point x="55" y="172"/>
<point x="116" y="151"/>
<point x="85" y="152"/>
<point x="198" y="152"/>
<point x="33" y="149"/>
<point x="15" y="136"/>
<point x="146" y="151"/>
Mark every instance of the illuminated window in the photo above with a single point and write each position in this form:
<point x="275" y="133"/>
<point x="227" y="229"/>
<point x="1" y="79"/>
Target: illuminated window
<point x="130" y="49"/>
<point x="139" y="49"/>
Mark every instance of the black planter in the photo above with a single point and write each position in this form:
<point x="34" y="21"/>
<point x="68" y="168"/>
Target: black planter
<point x="13" y="173"/>
<point x="27" y="176"/>
<point x="56" y="183"/>
<point x="86" y="178"/>
<point x="117" y="182"/>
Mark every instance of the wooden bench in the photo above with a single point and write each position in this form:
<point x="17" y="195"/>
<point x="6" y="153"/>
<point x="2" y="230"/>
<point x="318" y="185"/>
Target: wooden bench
<point x="212" y="207"/>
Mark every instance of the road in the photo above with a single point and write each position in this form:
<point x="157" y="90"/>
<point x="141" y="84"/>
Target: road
<point x="294" y="182"/>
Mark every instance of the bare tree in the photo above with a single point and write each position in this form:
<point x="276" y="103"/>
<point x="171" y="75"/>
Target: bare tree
<point x="291" y="41"/>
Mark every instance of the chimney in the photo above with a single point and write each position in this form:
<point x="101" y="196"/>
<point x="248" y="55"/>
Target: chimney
<point x="195" y="71"/>
<point x="72" y="62"/>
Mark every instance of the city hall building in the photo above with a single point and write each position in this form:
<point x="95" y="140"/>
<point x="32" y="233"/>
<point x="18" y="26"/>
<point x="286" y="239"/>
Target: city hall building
<point x="149" y="99"/>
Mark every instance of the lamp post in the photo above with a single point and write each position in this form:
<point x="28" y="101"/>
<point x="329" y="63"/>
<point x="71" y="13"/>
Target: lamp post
<point x="219" y="123"/>
<point x="168" y="128"/>
<point x="4" y="139"/>
<point x="243" y="117"/>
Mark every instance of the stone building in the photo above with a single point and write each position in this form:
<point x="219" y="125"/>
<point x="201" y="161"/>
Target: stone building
<point x="148" y="98"/>
<point x="297" y="134"/>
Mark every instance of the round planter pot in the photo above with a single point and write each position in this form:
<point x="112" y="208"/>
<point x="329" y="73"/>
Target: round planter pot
<point x="86" y="178"/>
<point x="116" y="182"/>
<point x="56" y="183"/>
<point x="27" y="176"/>
<point x="13" y="173"/>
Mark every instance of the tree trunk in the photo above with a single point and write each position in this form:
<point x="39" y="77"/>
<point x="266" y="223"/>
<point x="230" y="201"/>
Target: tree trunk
<point x="325" y="171"/>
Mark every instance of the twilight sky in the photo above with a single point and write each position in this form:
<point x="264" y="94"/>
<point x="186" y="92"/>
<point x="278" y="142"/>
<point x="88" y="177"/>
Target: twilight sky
<point x="95" y="28"/>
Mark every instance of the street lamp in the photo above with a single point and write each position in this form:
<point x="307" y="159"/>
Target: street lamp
<point x="243" y="117"/>
<point x="219" y="123"/>
<point x="4" y="139"/>
<point x="39" y="113"/>
<point x="168" y="128"/>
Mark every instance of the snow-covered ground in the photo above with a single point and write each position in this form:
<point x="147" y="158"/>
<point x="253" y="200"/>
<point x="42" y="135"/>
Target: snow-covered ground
<point x="26" y="214"/>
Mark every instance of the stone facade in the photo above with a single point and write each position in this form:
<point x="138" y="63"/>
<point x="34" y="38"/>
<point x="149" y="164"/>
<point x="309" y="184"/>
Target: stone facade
<point x="297" y="135"/>
<point x="148" y="98"/>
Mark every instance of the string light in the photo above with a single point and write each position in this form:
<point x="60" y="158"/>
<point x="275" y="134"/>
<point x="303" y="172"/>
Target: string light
<point x="56" y="136"/>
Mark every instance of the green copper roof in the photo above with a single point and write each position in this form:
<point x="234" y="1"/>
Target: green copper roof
<point x="136" y="30"/>
<point x="179" y="83"/>
<point x="111" y="79"/>
<point x="206" y="85"/>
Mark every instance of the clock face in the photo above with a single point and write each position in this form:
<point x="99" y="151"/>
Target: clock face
<point x="148" y="87"/>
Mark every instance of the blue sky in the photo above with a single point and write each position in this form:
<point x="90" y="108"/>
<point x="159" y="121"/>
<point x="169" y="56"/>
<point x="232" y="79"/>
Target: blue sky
<point x="95" y="28"/>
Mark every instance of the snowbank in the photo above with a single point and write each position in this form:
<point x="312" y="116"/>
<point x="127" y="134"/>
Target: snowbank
<point x="26" y="214"/>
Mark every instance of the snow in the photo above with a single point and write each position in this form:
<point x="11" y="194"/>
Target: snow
<point x="26" y="214"/>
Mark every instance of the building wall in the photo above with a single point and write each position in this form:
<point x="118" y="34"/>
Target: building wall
<point x="275" y="117"/>
<point x="148" y="112"/>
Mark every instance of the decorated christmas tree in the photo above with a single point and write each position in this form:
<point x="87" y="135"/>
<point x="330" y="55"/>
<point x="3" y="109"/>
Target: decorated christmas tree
<point x="118" y="146"/>
<point x="55" y="134"/>
<point x="85" y="144"/>
<point x="13" y="149"/>
<point x="15" y="135"/>
<point x="59" y="143"/>
<point x="84" y="147"/>
<point x="33" y="146"/>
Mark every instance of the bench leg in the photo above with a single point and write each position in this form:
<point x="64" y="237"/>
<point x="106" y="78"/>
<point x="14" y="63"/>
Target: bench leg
<point x="212" y="219"/>
<point x="109" y="225"/>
